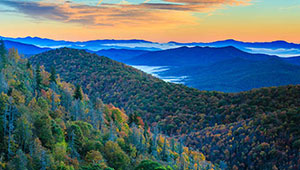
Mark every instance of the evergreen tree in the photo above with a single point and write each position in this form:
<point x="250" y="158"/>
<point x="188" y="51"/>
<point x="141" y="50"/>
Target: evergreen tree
<point x="28" y="65"/>
<point x="24" y="133"/>
<point x="111" y="132"/>
<point x="20" y="161"/>
<point x="5" y="121"/>
<point x="38" y="78"/>
<point x="74" y="153"/>
<point x="78" y="110"/>
<point x="43" y="161"/>
<point x="3" y="84"/>
<point x="98" y="117"/>
<point x="3" y="57"/>
<point x="66" y="99"/>
<point x="52" y="77"/>
<point x="42" y="124"/>
<point x="192" y="163"/>
<point x="172" y="144"/>
<point x="78" y="93"/>
<point x="182" y="163"/>
<point x="164" y="152"/>
<point x="11" y="127"/>
<point x="148" y="165"/>
<point x="134" y="135"/>
<point x="141" y="146"/>
<point x="180" y="149"/>
<point x="115" y="156"/>
<point x="154" y="143"/>
<point x="53" y="87"/>
<point x="94" y="117"/>
<point x="146" y="134"/>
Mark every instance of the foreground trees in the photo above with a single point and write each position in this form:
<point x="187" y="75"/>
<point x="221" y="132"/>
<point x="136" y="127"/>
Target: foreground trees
<point x="43" y="126"/>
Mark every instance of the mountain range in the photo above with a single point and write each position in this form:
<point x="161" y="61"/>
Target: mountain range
<point x="279" y="48"/>
<point x="226" y="69"/>
<point x="25" y="49"/>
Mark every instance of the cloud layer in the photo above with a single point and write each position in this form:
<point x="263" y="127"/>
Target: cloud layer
<point x="168" y="12"/>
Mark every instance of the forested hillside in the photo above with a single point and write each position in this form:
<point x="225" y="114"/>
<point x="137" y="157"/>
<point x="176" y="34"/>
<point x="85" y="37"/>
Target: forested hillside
<point x="243" y="130"/>
<point x="260" y="130"/>
<point x="122" y="85"/>
<point x="46" y="123"/>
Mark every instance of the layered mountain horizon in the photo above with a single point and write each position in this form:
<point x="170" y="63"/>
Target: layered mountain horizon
<point x="224" y="66"/>
<point x="278" y="47"/>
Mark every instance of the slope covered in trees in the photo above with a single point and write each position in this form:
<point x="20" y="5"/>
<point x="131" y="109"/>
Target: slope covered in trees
<point x="122" y="85"/>
<point x="265" y="134"/>
<point x="46" y="123"/>
<point x="231" y="129"/>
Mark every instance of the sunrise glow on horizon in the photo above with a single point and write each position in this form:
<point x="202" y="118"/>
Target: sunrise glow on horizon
<point x="153" y="20"/>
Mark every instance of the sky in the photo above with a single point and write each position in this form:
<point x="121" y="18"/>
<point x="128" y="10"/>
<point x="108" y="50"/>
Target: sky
<point x="153" y="20"/>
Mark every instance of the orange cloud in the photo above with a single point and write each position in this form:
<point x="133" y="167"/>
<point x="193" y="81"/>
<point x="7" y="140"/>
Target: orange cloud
<point x="172" y="12"/>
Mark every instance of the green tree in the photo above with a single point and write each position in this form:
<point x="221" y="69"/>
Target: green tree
<point x="115" y="156"/>
<point x="3" y="84"/>
<point x="91" y="167"/>
<point x="78" y="93"/>
<point x="148" y="165"/>
<point x="43" y="129"/>
<point x="38" y="78"/>
<point x="28" y="65"/>
<point x="3" y="52"/>
<point x="24" y="133"/>
<point x="160" y="168"/>
<point x="164" y="152"/>
<point x="19" y="162"/>
<point x="57" y="132"/>
<point x="52" y="77"/>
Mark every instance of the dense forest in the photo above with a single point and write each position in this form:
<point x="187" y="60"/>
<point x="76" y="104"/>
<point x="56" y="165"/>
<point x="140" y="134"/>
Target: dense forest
<point x="256" y="129"/>
<point x="128" y="88"/>
<point x="49" y="124"/>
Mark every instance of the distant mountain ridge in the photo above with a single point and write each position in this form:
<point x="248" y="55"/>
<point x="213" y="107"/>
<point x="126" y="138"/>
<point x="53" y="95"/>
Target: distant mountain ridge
<point x="25" y="49"/>
<point x="196" y="66"/>
<point x="121" y="55"/>
<point x="280" y="48"/>
<point x="93" y="45"/>
<point x="203" y="56"/>
<point x="232" y="42"/>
